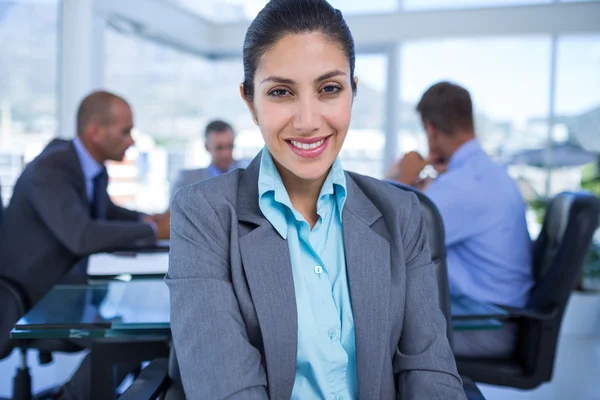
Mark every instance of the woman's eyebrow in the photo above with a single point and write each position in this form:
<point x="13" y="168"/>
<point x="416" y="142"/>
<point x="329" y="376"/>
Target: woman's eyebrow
<point x="287" y="81"/>
<point x="330" y="75"/>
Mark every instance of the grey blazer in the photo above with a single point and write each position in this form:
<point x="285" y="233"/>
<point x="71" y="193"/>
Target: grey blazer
<point x="47" y="228"/>
<point x="233" y="307"/>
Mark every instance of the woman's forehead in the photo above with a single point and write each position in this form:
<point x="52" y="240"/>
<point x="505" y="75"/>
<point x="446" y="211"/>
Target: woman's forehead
<point x="303" y="55"/>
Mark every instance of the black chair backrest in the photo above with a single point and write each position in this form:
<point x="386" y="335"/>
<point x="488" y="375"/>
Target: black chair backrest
<point x="1" y="205"/>
<point x="175" y="388"/>
<point x="558" y="255"/>
<point x="560" y="250"/>
<point x="13" y="307"/>
<point x="434" y="225"/>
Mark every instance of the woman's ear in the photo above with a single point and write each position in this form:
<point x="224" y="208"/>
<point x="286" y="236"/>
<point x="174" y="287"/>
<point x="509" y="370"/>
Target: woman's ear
<point x="355" y="88"/>
<point x="248" y="103"/>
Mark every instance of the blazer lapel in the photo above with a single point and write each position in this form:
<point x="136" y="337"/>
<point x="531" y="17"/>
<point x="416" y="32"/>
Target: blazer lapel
<point x="368" y="267"/>
<point x="268" y="269"/>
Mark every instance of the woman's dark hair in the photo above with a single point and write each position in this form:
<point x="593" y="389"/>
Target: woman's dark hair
<point x="283" y="17"/>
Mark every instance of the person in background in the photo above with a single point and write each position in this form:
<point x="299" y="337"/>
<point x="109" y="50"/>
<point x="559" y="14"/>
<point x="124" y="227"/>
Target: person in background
<point x="293" y="278"/>
<point x="60" y="211"/>
<point x="219" y="141"/>
<point x="488" y="244"/>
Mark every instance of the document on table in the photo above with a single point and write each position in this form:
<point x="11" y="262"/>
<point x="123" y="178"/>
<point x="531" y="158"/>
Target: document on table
<point x="131" y="263"/>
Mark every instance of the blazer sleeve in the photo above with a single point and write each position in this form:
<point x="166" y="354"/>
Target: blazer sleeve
<point x="424" y="362"/>
<point x="57" y="203"/>
<point x="215" y="357"/>
<point x="117" y="213"/>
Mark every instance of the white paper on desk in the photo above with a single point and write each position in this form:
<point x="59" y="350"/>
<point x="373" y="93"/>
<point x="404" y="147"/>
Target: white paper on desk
<point x="140" y="264"/>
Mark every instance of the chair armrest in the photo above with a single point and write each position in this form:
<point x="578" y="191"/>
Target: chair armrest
<point x="150" y="383"/>
<point x="531" y="313"/>
<point x="471" y="389"/>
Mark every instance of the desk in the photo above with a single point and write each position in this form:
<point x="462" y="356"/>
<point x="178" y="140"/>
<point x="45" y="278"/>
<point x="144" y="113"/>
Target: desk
<point x="147" y="261"/>
<point x="134" y="264"/>
<point x="126" y="321"/>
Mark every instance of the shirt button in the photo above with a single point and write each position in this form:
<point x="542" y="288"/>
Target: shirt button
<point x="338" y="397"/>
<point x="331" y="334"/>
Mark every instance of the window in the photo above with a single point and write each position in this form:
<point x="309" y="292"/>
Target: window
<point x="508" y="79"/>
<point x="578" y="88"/>
<point x="509" y="82"/>
<point x="413" y="5"/>
<point x="28" y="39"/>
<point x="363" y="148"/>
<point x="237" y="10"/>
<point x="171" y="94"/>
<point x="577" y="109"/>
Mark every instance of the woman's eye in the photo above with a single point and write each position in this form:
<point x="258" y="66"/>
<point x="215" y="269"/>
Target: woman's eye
<point x="329" y="89"/>
<point x="279" y="92"/>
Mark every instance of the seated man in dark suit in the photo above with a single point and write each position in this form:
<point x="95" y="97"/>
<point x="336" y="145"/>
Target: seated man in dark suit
<point x="60" y="211"/>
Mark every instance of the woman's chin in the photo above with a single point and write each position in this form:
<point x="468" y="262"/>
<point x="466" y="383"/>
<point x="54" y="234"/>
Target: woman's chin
<point x="311" y="172"/>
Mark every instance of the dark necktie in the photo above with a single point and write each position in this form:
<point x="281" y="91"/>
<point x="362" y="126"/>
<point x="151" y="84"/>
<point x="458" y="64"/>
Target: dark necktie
<point x="99" y="197"/>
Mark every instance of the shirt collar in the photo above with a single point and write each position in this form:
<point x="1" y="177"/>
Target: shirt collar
<point x="272" y="192"/>
<point x="464" y="152"/>
<point x="91" y="168"/>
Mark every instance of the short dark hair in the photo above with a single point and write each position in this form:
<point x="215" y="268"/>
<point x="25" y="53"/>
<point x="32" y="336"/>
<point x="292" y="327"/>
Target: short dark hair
<point x="282" y="17"/>
<point x="96" y="106"/>
<point x="448" y="107"/>
<point x="217" y="126"/>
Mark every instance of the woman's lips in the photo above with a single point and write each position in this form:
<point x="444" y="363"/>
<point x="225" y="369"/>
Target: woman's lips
<point x="308" y="148"/>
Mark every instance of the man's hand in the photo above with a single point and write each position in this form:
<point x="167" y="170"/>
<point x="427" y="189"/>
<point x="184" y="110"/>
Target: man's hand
<point x="437" y="162"/>
<point x="163" y="226"/>
<point x="154" y="218"/>
<point x="161" y="222"/>
<point x="423" y="184"/>
<point x="407" y="169"/>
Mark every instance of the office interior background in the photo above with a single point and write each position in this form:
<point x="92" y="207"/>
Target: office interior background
<point x="532" y="67"/>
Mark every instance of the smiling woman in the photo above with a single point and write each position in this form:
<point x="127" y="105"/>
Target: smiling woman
<point x="294" y="278"/>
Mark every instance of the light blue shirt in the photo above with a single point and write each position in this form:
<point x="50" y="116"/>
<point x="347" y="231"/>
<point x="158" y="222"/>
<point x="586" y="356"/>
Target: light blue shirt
<point x="214" y="171"/>
<point x="326" y="357"/>
<point x="488" y="244"/>
<point x="91" y="168"/>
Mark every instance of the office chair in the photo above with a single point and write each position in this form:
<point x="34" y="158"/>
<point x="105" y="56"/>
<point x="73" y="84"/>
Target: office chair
<point x="1" y="205"/>
<point x="437" y="246"/>
<point x="161" y="379"/>
<point x="558" y="255"/>
<point x="14" y="306"/>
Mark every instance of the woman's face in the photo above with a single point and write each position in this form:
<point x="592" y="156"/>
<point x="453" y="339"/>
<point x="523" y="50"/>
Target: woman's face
<point x="302" y="104"/>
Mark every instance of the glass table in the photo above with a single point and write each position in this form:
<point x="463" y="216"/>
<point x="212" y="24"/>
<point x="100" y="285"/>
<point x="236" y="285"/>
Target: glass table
<point x="469" y="314"/>
<point x="127" y="321"/>
<point x="114" y="309"/>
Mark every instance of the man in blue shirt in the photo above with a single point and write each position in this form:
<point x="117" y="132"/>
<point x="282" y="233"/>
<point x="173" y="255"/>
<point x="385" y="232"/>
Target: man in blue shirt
<point x="488" y="244"/>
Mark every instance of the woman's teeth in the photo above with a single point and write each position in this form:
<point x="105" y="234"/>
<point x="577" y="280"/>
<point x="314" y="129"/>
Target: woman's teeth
<point x="307" y="146"/>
